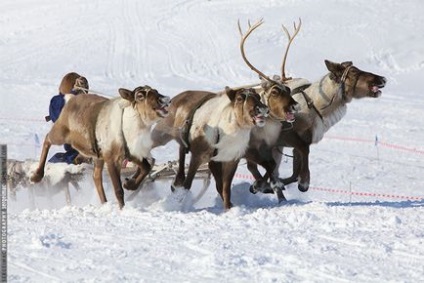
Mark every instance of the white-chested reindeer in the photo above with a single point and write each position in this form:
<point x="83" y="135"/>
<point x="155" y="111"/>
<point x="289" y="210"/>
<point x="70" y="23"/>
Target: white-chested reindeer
<point x="321" y="105"/>
<point x="215" y="129"/>
<point x="109" y="131"/>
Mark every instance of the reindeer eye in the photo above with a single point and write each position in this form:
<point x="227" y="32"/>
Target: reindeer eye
<point x="139" y="96"/>
<point x="240" y="98"/>
<point x="274" y="92"/>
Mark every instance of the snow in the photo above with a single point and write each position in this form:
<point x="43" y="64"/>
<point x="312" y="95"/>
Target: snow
<point x="361" y="220"/>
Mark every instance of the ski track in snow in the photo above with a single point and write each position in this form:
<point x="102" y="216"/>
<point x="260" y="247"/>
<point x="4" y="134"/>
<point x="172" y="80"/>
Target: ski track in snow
<point x="351" y="226"/>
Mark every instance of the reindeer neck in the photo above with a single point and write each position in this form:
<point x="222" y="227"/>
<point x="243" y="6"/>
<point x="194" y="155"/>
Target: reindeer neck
<point x="327" y="96"/>
<point x="135" y="133"/>
<point x="329" y="102"/>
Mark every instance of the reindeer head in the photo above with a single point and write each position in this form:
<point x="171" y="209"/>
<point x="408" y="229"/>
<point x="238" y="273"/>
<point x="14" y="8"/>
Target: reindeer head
<point x="80" y="86"/>
<point x="354" y="82"/>
<point x="148" y="102"/>
<point x="277" y="97"/>
<point x="249" y="109"/>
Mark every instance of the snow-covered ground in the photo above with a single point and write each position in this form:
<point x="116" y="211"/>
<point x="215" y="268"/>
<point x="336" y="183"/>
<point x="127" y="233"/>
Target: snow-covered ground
<point x="362" y="219"/>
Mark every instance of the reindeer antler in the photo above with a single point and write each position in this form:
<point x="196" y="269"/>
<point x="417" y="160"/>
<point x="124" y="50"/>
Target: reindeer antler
<point x="290" y="38"/>
<point x="243" y="54"/>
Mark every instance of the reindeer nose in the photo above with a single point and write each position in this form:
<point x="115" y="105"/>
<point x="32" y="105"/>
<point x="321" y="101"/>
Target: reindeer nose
<point x="165" y="100"/>
<point x="262" y="110"/>
<point x="384" y="80"/>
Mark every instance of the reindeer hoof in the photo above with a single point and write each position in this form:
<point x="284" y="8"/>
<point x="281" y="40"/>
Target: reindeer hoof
<point x="267" y="190"/>
<point x="252" y="189"/>
<point x="283" y="199"/>
<point x="227" y="207"/>
<point x="261" y="186"/>
<point x="303" y="188"/>
<point x="277" y="185"/>
<point x="37" y="177"/>
<point x="130" y="185"/>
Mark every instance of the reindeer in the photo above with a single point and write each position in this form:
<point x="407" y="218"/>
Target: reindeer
<point x="108" y="130"/>
<point x="215" y="128"/>
<point x="282" y="106"/>
<point x="322" y="105"/>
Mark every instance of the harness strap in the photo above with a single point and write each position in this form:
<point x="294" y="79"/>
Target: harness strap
<point x="215" y="151"/>
<point x="185" y="131"/>
<point x="309" y="101"/>
<point x="299" y="89"/>
<point x="311" y="104"/>
<point x="127" y="154"/>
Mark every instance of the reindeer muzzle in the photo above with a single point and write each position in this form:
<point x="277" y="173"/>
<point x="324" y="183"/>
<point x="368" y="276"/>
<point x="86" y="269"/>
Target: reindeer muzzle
<point x="164" y="103"/>
<point x="290" y="114"/>
<point x="375" y="88"/>
<point x="261" y="113"/>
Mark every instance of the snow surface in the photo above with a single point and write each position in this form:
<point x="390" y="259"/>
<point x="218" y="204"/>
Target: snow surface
<point x="362" y="219"/>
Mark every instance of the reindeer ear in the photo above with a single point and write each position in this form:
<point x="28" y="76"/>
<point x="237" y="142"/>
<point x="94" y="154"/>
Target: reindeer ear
<point x="231" y="93"/>
<point x="346" y="64"/>
<point x="335" y="69"/>
<point x="126" y="94"/>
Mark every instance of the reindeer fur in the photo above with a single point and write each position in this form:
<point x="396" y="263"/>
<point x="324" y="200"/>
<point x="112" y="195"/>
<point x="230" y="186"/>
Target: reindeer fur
<point x="329" y="97"/>
<point x="219" y="132"/>
<point x="108" y="130"/>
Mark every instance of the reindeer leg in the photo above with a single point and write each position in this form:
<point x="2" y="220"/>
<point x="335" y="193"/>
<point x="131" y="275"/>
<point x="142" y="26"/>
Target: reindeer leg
<point x="98" y="179"/>
<point x="114" y="169"/>
<point x="143" y="169"/>
<point x="304" y="174"/>
<point x="228" y="171"/>
<point x="216" y="170"/>
<point x="277" y="187"/>
<point x="56" y="136"/>
<point x="39" y="173"/>
<point x="180" y="176"/>
<point x="130" y="183"/>
<point x="259" y="185"/>
<point x="195" y="163"/>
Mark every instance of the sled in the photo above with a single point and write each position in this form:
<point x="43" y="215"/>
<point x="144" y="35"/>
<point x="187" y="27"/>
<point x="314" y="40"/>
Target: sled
<point x="61" y="177"/>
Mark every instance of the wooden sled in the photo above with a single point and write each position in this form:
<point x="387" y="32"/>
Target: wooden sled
<point x="19" y="172"/>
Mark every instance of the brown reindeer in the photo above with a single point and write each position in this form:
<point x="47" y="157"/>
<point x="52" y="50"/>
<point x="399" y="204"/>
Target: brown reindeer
<point x="282" y="106"/>
<point x="108" y="130"/>
<point x="322" y="105"/>
<point x="215" y="128"/>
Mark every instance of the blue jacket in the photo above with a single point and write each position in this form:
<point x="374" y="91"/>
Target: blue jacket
<point x="56" y="104"/>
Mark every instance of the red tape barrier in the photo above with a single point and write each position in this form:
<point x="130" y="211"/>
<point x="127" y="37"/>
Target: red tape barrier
<point x="339" y="191"/>
<point x="378" y="143"/>
<point x="367" y="194"/>
<point x="352" y="139"/>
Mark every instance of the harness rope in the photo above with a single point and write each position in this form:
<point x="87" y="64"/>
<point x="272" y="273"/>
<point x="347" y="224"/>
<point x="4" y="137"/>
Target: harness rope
<point x="341" y="91"/>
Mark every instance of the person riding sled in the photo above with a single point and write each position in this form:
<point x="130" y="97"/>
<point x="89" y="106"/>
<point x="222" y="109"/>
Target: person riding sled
<point x="75" y="84"/>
